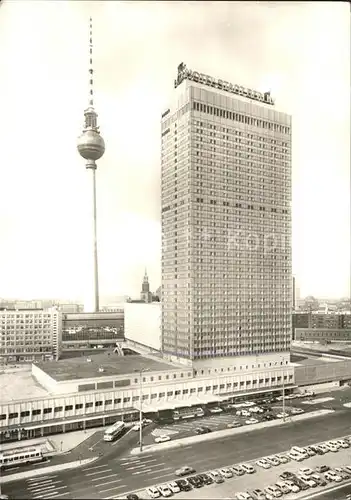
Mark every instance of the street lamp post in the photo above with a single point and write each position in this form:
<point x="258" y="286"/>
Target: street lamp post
<point x="141" y="407"/>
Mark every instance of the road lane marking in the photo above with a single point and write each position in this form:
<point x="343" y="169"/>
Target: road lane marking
<point x="159" y="477"/>
<point x="141" y="472"/>
<point x="136" y="467"/>
<point x="131" y="462"/>
<point x="42" y="490"/>
<point x="145" y="464"/>
<point x="95" y="467"/>
<point x="41" y="478"/>
<point x="108" y="482"/>
<point x="57" y="495"/>
<point x="103" y="477"/>
<point x="115" y="488"/>
<point x="98" y="472"/>
<point x="135" y="459"/>
<point x="160" y="470"/>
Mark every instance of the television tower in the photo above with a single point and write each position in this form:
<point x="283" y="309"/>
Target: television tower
<point x="91" y="147"/>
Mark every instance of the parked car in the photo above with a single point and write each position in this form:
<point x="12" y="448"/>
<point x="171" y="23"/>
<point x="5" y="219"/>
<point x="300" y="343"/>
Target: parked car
<point x="283" y="459"/>
<point x="310" y="451"/>
<point x="206" y="479"/>
<point x="216" y="476"/>
<point x="195" y="482"/>
<point x="238" y="470"/>
<point x="173" y="486"/>
<point x="284" y="488"/>
<point x="308" y="481"/>
<point x="234" y="424"/>
<point x="272" y="460"/>
<point x="162" y="439"/>
<point x="343" y="444"/>
<point x="258" y="495"/>
<point x="274" y="491"/>
<point x="287" y="475"/>
<point x="319" y="480"/>
<point x="248" y="468"/>
<point x="293" y="486"/>
<point x="165" y="490"/>
<point x="331" y="446"/>
<point x="183" y="484"/>
<point x="243" y="495"/>
<point x="153" y="492"/>
<point x="225" y="472"/>
<point x="322" y="468"/>
<point x="263" y="463"/>
<point x="131" y="496"/>
<point x="342" y="473"/>
<point x="251" y="421"/>
<point x="215" y="409"/>
<point x="332" y="476"/>
<point x="307" y="471"/>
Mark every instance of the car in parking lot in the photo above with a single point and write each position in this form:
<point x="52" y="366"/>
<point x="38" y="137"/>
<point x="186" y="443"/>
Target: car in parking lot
<point x="248" y="468"/>
<point x="284" y="488"/>
<point x="287" y="475"/>
<point x="347" y="468"/>
<point x="307" y="480"/>
<point x="342" y="473"/>
<point x="173" y="487"/>
<point x="153" y="492"/>
<point x="243" y="413"/>
<point x="310" y="451"/>
<point x="324" y="447"/>
<point x="293" y="486"/>
<point x="215" y="409"/>
<point x="234" y="424"/>
<point x="274" y="491"/>
<point x="195" y="481"/>
<point x="319" y="480"/>
<point x="263" y="463"/>
<point x="162" y="439"/>
<point x="206" y="479"/>
<point x="251" y="421"/>
<point x="314" y="449"/>
<point x="258" y="495"/>
<point x="272" y="460"/>
<point x="185" y="471"/>
<point x="331" y="446"/>
<point x="332" y="476"/>
<point x="165" y="490"/>
<point x="243" y="495"/>
<point x="216" y="476"/>
<point x="307" y="471"/>
<point x="283" y="459"/>
<point x="225" y="472"/>
<point x="238" y="470"/>
<point x="342" y="443"/>
<point x="296" y="411"/>
<point x="183" y="484"/>
<point x="296" y="456"/>
<point x="322" y="468"/>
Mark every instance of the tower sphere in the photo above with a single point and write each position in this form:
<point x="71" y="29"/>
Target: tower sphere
<point x="91" y="145"/>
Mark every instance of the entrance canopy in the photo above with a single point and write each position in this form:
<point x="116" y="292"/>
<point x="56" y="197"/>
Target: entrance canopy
<point x="173" y="404"/>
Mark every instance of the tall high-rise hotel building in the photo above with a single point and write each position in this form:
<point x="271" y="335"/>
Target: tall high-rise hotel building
<point x="226" y="226"/>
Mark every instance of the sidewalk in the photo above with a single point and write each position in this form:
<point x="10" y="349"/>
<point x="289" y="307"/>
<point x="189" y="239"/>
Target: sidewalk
<point x="227" y="432"/>
<point x="56" y="444"/>
<point x="47" y="470"/>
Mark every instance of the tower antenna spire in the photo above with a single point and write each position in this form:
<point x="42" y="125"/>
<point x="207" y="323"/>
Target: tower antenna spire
<point x="91" y="70"/>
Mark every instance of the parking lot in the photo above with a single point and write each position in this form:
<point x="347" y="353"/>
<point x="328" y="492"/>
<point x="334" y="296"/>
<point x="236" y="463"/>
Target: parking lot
<point x="186" y="428"/>
<point x="266" y="477"/>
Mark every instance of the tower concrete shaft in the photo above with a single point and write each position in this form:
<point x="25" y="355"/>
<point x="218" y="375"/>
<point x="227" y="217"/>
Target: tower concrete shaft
<point x="91" y="147"/>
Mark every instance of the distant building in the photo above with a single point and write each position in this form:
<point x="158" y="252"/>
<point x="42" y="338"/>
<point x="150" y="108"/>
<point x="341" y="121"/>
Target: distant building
<point x="145" y="295"/>
<point x="30" y="335"/>
<point x="142" y="324"/>
<point x="314" y="326"/>
<point x="71" y="308"/>
<point x="84" y="331"/>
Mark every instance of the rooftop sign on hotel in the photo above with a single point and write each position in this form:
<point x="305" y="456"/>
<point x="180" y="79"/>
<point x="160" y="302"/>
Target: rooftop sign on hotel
<point x="186" y="74"/>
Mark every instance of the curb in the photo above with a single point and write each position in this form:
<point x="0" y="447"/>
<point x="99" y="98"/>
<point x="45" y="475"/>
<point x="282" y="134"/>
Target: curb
<point x="46" y="470"/>
<point x="227" y="432"/>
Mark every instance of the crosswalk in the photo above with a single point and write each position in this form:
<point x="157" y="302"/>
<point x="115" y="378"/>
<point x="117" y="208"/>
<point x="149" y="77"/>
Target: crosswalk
<point x="103" y="480"/>
<point x="47" y="487"/>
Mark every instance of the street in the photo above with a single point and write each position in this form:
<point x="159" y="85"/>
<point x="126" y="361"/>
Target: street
<point x="111" y="476"/>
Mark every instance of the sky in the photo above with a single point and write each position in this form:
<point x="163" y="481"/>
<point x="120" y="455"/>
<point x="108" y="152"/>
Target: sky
<point x="300" y="51"/>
